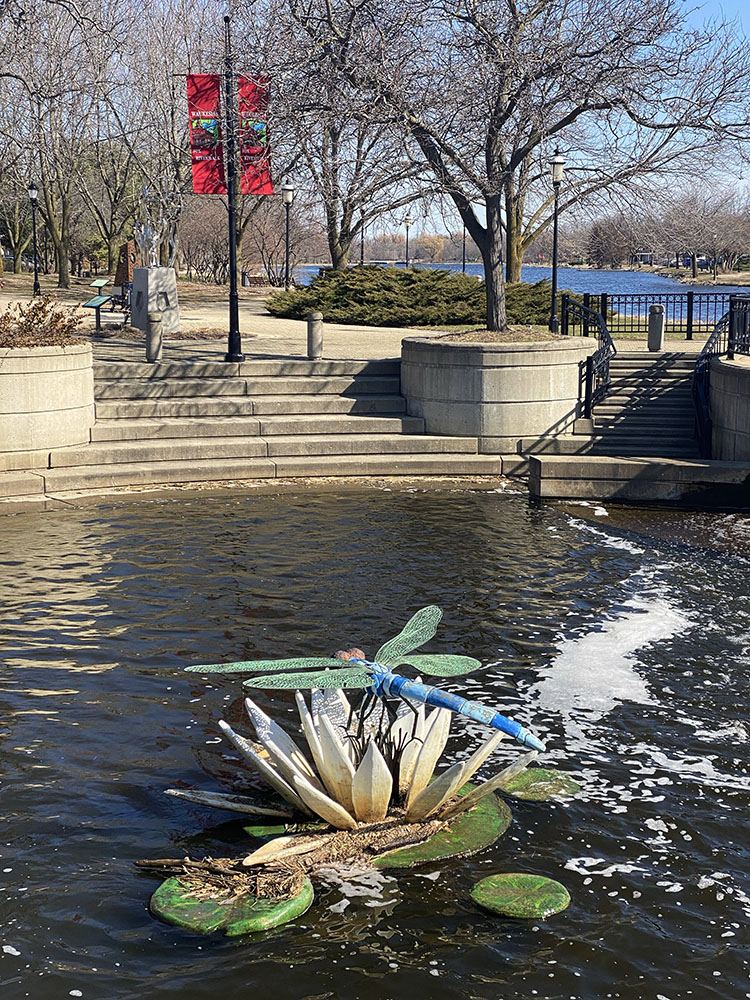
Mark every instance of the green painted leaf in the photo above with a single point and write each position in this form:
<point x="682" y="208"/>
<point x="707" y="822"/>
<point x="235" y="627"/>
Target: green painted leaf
<point x="440" y="664"/>
<point x="280" y="830"/>
<point x="420" y="627"/>
<point x="247" y="666"/>
<point x="538" y="784"/>
<point x="348" y="677"/>
<point x="471" y="831"/>
<point x="521" y="895"/>
<point x="244" y="914"/>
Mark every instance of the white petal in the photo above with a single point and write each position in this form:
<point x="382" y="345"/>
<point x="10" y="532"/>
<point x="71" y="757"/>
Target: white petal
<point x="263" y="766"/>
<point x="500" y="779"/>
<point x="435" y="794"/>
<point x="284" y="847"/>
<point x="324" y="806"/>
<point x="220" y="800"/>
<point x="308" y="728"/>
<point x="337" y="770"/>
<point x="371" y="787"/>
<point x="435" y="738"/>
<point x="480" y="755"/>
<point x="266" y="729"/>
<point x="333" y="703"/>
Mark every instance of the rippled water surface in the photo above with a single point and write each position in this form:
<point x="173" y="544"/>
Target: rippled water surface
<point x="624" y="635"/>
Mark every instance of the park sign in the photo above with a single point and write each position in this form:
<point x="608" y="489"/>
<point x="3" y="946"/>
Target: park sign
<point x="206" y="134"/>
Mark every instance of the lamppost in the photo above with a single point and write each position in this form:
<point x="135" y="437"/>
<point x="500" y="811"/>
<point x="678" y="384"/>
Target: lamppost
<point x="287" y="196"/>
<point x="362" y="242"/>
<point x="463" y="253"/>
<point x="33" y="195"/>
<point x="715" y="239"/>
<point x="557" y="164"/>
<point x="407" y="223"/>
<point x="234" y="340"/>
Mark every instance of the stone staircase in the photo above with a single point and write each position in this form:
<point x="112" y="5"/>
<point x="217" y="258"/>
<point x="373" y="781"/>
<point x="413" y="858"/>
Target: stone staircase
<point x="198" y="422"/>
<point x="648" y="412"/>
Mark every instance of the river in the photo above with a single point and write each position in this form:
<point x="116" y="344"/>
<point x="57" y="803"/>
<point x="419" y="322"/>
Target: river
<point x="624" y="635"/>
<point x="576" y="279"/>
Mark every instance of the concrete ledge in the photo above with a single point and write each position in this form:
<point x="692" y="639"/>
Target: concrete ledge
<point x="730" y="409"/>
<point x="46" y="397"/>
<point x="495" y="392"/>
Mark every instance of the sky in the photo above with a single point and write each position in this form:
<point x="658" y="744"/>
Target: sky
<point x="729" y="9"/>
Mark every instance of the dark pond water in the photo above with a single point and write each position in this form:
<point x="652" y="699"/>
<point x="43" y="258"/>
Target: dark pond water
<point x="576" y="279"/>
<point x="626" y="639"/>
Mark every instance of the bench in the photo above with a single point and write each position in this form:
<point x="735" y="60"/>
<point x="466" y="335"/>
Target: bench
<point x="99" y="300"/>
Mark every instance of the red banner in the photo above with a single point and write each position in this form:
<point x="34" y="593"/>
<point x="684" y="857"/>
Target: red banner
<point x="255" y="158"/>
<point x="205" y="133"/>
<point x="204" y="111"/>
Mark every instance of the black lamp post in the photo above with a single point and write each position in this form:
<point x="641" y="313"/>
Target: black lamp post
<point x="33" y="195"/>
<point x="715" y="239"/>
<point x="407" y="223"/>
<point x="287" y="196"/>
<point x="557" y="164"/>
<point x="234" y="342"/>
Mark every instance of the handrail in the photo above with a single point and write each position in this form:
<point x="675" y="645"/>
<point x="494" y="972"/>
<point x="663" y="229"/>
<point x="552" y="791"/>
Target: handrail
<point x="594" y="379"/>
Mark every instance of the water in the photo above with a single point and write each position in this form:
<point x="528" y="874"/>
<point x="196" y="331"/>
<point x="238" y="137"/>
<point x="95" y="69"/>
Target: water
<point x="626" y="636"/>
<point x="574" y="279"/>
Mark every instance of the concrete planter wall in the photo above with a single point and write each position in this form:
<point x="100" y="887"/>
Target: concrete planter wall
<point x="730" y="409"/>
<point x="46" y="397"/>
<point x="499" y="393"/>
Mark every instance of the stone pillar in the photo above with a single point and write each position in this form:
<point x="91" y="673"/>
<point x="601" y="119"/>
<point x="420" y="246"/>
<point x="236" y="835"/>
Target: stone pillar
<point x="155" y="290"/>
<point x="315" y="335"/>
<point x="656" y="328"/>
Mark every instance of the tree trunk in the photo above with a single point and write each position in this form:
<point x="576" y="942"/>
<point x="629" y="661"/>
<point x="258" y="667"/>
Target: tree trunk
<point x="17" y="263"/>
<point x="493" y="267"/>
<point x="514" y="207"/>
<point x="694" y="264"/>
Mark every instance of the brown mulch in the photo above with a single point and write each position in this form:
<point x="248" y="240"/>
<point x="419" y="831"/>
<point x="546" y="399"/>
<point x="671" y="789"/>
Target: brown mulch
<point x="132" y="333"/>
<point x="513" y="335"/>
<point x="226" y="878"/>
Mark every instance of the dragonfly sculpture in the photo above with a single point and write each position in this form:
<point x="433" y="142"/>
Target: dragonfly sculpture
<point x="378" y="679"/>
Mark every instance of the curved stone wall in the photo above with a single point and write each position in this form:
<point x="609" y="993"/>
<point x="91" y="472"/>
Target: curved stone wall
<point x="498" y="393"/>
<point x="730" y="409"/>
<point x="46" y="397"/>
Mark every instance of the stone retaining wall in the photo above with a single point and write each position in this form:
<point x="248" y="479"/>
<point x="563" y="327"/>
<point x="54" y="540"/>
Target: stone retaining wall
<point x="46" y="398"/>
<point x="730" y="409"/>
<point x="498" y="393"/>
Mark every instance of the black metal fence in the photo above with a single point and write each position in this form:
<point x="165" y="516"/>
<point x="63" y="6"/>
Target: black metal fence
<point x="687" y="314"/>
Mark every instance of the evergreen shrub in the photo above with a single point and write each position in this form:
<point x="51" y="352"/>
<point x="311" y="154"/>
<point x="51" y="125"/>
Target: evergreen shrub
<point x="388" y="296"/>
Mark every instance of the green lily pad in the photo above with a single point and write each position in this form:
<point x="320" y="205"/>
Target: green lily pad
<point x="538" y="784"/>
<point x="468" y="833"/>
<point x="266" y="830"/>
<point x="521" y="895"/>
<point x="245" y="914"/>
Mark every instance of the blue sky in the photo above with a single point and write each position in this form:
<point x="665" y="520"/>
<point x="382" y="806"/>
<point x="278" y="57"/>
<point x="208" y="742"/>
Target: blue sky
<point x="706" y="9"/>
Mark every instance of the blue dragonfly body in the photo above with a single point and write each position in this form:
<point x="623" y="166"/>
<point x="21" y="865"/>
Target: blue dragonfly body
<point x="386" y="684"/>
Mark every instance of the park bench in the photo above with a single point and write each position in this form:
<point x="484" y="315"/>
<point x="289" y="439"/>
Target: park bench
<point x="99" y="300"/>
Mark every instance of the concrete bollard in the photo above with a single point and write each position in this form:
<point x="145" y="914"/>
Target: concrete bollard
<point x="153" y="337"/>
<point x="656" y="328"/>
<point x="315" y="335"/>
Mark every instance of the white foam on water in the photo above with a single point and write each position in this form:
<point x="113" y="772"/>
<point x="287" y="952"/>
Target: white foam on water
<point x="606" y="538"/>
<point x="595" y="672"/>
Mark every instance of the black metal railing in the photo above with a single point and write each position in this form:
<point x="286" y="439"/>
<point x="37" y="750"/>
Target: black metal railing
<point x="594" y="371"/>
<point x="730" y="336"/>
<point x="687" y="314"/>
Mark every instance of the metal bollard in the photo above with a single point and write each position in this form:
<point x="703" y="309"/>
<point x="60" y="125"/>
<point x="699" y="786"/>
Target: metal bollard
<point x="153" y="337"/>
<point x="656" y="328"/>
<point x="315" y="335"/>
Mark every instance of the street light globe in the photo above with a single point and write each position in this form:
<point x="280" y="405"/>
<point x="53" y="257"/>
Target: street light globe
<point x="287" y="193"/>
<point x="557" y="165"/>
<point x="33" y="191"/>
<point x="407" y="221"/>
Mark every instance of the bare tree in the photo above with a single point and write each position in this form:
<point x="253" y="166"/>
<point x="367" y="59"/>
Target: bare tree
<point x="487" y="88"/>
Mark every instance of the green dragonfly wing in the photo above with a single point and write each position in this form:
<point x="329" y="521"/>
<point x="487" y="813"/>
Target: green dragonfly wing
<point x="440" y="664"/>
<point x="245" y="666"/>
<point x="420" y="627"/>
<point x="347" y="677"/>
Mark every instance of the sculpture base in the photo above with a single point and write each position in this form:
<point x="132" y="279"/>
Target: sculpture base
<point x="155" y="290"/>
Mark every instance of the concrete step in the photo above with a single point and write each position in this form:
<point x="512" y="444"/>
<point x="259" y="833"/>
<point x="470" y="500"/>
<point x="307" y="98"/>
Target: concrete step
<point x="220" y="470"/>
<point x="116" y="370"/>
<point x="189" y="388"/>
<point x="576" y="444"/>
<point x="209" y="448"/>
<point x="642" y="419"/>
<point x="19" y="484"/>
<point x="639" y="479"/>
<point x="369" y="444"/>
<point x="671" y="412"/>
<point x="247" y="406"/>
<point x="169" y="450"/>
<point x="195" y="427"/>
